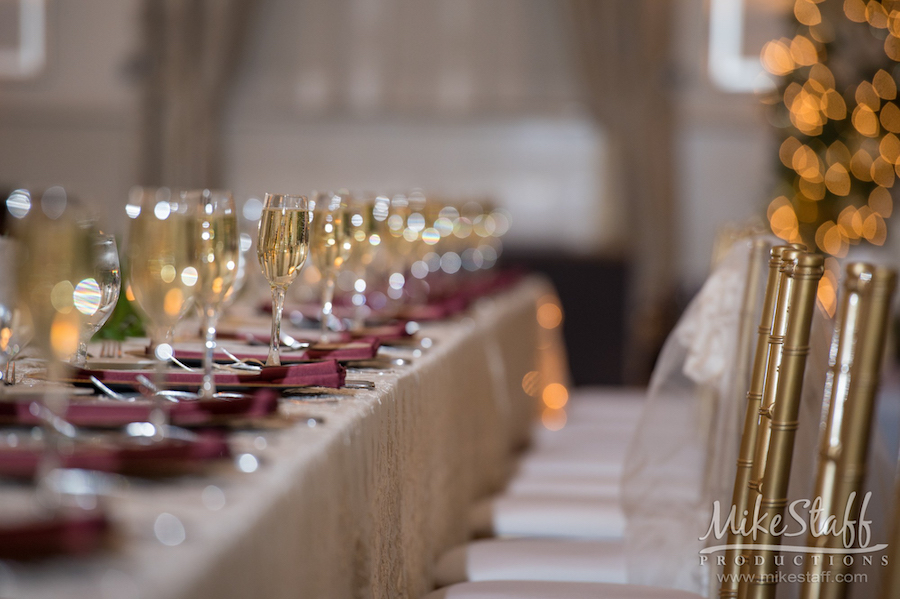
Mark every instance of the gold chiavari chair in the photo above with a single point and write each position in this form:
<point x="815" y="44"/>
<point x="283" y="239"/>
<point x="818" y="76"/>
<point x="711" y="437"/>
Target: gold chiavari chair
<point x="804" y="273"/>
<point x="855" y="364"/>
<point x="762" y="382"/>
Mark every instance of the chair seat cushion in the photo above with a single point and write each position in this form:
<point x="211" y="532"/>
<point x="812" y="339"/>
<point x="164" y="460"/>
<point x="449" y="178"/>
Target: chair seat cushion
<point x="533" y="559"/>
<point x="505" y="589"/>
<point x="558" y="517"/>
<point x="565" y="485"/>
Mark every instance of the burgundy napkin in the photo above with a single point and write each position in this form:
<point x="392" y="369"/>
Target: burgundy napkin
<point x="96" y="413"/>
<point x="384" y="332"/>
<point x="327" y="373"/>
<point x="67" y="534"/>
<point x="363" y="348"/>
<point x="167" y="457"/>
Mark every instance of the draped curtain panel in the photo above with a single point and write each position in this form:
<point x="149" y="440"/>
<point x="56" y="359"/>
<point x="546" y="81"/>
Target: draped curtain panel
<point x="191" y="50"/>
<point x="625" y="53"/>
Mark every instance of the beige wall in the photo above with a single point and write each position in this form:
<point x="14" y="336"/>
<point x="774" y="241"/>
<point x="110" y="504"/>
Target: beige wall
<point x="460" y="96"/>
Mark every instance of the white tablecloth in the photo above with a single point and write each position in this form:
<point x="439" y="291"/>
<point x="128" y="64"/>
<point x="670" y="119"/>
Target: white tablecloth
<point x="357" y="507"/>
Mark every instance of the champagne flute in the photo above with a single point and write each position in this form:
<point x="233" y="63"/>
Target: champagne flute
<point x="96" y="296"/>
<point x="331" y="245"/>
<point x="218" y="257"/>
<point x="282" y="247"/>
<point x="366" y="233"/>
<point x="8" y="300"/>
<point x="54" y="260"/>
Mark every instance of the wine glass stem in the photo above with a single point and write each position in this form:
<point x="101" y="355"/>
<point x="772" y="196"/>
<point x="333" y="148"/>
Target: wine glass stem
<point x="53" y="408"/>
<point x="80" y="359"/>
<point x="208" y="388"/>
<point x="327" y="303"/>
<point x="159" y="415"/>
<point x="274" y="358"/>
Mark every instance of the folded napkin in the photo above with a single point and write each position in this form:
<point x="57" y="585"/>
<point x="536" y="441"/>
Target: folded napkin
<point x="327" y="373"/>
<point x="364" y="348"/>
<point x="101" y="413"/>
<point x="384" y="332"/>
<point x="67" y="534"/>
<point x="171" y="456"/>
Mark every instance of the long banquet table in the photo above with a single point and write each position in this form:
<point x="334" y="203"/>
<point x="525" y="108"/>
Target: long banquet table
<point x="358" y="506"/>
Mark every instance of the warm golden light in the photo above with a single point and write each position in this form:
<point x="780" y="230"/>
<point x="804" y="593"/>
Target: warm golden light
<point x="549" y="316"/>
<point x="531" y="383"/>
<point x="776" y="58"/>
<point x="808" y="13"/>
<point x="861" y="165"/>
<point x="173" y="302"/>
<point x="892" y="47"/>
<point x="787" y="150"/>
<point x="884" y="84"/>
<point x="838" y="153"/>
<point x="827" y="292"/>
<point x="865" y="121"/>
<point x="890" y="117"/>
<point x="880" y="201"/>
<point x="555" y="396"/>
<point x="833" y="105"/>
<point x="64" y="335"/>
<point x="813" y="190"/>
<point x="553" y="420"/>
<point x="62" y="296"/>
<point x="882" y="172"/>
<point x="855" y="10"/>
<point x="876" y="15"/>
<point x="783" y="219"/>
<point x="803" y="51"/>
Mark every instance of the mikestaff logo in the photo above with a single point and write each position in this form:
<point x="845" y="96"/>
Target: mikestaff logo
<point x="804" y="518"/>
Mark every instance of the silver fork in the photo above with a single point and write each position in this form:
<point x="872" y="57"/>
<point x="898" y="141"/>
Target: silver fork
<point x="9" y="375"/>
<point x="111" y="348"/>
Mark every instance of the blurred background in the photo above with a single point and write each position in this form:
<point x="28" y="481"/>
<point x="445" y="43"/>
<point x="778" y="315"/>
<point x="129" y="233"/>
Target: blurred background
<point x="621" y="135"/>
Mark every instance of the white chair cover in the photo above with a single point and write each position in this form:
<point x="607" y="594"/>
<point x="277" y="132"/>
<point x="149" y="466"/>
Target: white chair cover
<point x="682" y="456"/>
<point x="533" y="559"/>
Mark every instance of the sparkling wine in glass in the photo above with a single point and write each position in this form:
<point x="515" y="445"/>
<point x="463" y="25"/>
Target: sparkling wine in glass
<point x="96" y="296"/>
<point x="366" y="233"/>
<point x="218" y="249"/>
<point x="54" y="260"/>
<point x="331" y="246"/>
<point x="282" y="247"/>
<point x="8" y="300"/>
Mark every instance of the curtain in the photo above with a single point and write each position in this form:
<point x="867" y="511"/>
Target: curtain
<point x="191" y="51"/>
<point x="625" y="55"/>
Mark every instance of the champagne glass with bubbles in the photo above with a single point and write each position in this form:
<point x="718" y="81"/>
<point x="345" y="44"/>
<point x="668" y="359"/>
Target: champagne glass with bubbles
<point x="332" y="242"/>
<point x="217" y="263"/>
<point x="282" y="247"/>
<point x="54" y="260"/>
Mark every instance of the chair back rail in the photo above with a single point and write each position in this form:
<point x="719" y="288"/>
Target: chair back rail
<point x="772" y="300"/>
<point x="803" y="274"/>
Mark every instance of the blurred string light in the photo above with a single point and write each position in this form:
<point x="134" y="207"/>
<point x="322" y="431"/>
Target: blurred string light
<point x="837" y="109"/>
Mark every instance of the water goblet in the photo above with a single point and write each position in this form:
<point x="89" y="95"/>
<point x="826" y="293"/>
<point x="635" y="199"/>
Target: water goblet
<point x="96" y="296"/>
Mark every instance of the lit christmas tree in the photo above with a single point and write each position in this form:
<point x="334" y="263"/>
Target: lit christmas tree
<point x="836" y="108"/>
